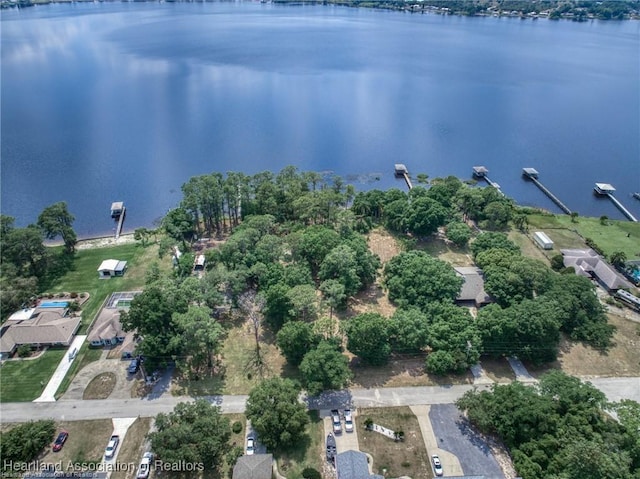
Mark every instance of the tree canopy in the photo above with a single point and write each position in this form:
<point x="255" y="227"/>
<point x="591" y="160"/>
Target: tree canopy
<point x="415" y="278"/>
<point x="276" y="414"/>
<point x="323" y="368"/>
<point x="195" y="433"/>
<point x="368" y="338"/>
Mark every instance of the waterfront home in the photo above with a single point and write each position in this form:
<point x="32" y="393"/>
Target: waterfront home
<point x="473" y="287"/>
<point x="586" y="262"/>
<point x="48" y="324"/>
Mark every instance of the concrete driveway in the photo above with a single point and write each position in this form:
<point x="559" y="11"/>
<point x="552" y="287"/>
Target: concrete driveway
<point x="124" y="382"/>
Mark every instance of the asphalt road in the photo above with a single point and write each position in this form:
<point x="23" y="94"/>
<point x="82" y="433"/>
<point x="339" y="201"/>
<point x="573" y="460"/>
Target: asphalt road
<point x="71" y="410"/>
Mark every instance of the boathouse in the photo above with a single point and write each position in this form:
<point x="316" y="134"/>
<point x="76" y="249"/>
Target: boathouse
<point x="111" y="267"/>
<point x="116" y="209"/>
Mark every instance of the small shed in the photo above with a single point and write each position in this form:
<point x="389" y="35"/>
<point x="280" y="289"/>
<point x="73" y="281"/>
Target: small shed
<point x="111" y="267"/>
<point x="543" y="240"/>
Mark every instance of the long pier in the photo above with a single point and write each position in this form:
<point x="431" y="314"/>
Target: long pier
<point x="481" y="172"/>
<point x="120" y="222"/>
<point x="118" y="211"/>
<point x="532" y="175"/>
<point x="401" y="170"/>
<point x="606" y="189"/>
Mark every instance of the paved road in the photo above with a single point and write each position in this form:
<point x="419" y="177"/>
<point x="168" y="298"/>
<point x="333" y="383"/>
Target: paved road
<point x="71" y="410"/>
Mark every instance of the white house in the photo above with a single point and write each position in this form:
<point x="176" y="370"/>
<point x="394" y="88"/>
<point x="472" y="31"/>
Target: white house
<point x="112" y="267"/>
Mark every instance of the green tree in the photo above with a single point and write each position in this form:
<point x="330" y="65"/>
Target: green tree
<point x="304" y="302"/>
<point x="408" y="330"/>
<point x="574" y="216"/>
<point x="314" y="243"/>
<point x="55" y="220"/>
<point x="278" y="306"/>
<point x="497" y="214"/>
<point x="276" y="414"/>
<point x="179" y="225"/>
<point x="202" y="336"/>
<point x="142" y="235"/>
<point x="24" y="442"/>
<point x="459" y="233"/>
<point x="324" y="367"/>
<point x="23" y="248"/>
<point x="333" y="292"/>
<point x="295" y="339"/>
<point x="415" y="278"/>
<point x="195" y="433"/>
<point x="521" y="278"/>
<point x="489" y="240"/>
<point x="424" y="216"/>
<point x="341" y="264"/>
<point x="368" y="338"/>
<point x="618" y="259"/>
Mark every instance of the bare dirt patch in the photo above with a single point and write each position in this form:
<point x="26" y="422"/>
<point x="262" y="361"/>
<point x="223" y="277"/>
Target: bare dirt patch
<point x="372" y="300"/>
<point x="444" y="250"/>
<point x="382" y="243"/>
<point x="498" y="370"/>
<point x="621" y="360"/>
<point x="391" y="458"/>
<point x="100" y="387"/>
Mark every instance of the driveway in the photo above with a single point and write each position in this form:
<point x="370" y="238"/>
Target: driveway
<point x="454" y="435"/>
<point x="122" y="388"/>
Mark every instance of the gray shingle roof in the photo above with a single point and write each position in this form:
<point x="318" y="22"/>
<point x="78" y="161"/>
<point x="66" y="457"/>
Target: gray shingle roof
<point x="257" y="466"/>
<point x="586" y="262"/>
<point x="353" y="465"/>
<point x="473" y="286"/>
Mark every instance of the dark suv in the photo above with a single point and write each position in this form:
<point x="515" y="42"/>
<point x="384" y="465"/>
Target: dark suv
<point x="134" y="365"/>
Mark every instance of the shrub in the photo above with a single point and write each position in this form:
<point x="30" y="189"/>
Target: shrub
<point x="310" y="473"/>
<point x="233" y="455"/>
<point x="368" y="423"/>
<point x="236" y="427"/>
<point x="61" y="295"/>
<point x="24" y="350"/>
<point x="83" y="295"/>
<point x="73" y="294"/>
<point x="49" y="295"/>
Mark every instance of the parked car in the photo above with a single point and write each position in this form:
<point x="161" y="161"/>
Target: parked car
<point x="134" y="365"/>
<point x="437" y="465"/>
<point x="144" y="469"/>
<point x="348" y="420"/>
<point x="251" y="447"/>
<point x="60" y="440"/>
<point x="335" y="419"/>
<point x="110" y="451"/>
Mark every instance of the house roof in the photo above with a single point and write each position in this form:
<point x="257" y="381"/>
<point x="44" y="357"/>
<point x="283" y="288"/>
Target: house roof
<point x="46" y="328"/>
<point x="473" y="285"/>
<point x="112" y="265"/>
<point x="353" y="465"/>
<point x="109" y="329"/>
<point x="257" y="466"/>
<point x="586" y="262"/>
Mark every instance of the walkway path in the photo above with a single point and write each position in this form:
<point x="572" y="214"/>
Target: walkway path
<point x="48" y="395"/>
<point x="521" y="372"/>
<point x="450" y="462"/>
<point x="614" y="388"/>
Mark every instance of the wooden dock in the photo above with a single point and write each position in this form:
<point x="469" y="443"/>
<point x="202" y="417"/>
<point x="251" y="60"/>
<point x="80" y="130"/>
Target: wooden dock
<point x="605" y="189"/>
<point x="481" y="173"/>
<point x="532" y="174"/>
<point x="118" y="211"/>
<point x="636" y="196"/>
<point x="401" y="171"/>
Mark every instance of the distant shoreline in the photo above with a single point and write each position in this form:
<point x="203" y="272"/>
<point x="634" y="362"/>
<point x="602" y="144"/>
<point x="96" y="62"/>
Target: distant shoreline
<point x="439" y="7"/>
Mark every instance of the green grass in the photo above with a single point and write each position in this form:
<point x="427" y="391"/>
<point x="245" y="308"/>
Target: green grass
<point x="24" y="380"/>
<point x="85" y="356"/>
<point x="614" y="236"/>
<point x="83" y="276"/>
<point x="307" y="453"/>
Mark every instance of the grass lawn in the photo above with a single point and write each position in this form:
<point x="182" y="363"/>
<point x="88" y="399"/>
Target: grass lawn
<point x="390" y="458"/>
<point x="84" y="275"/>
<point x="308" y="453"/>
<point x="86" y="442"/>
<point x="85" y="356"/>
<point x="24" y="380"/>
<point x="240" y="374"/>
<point x="610" y="237"/>
<point x="132" y="448"/>
<point x="450" y="253"/>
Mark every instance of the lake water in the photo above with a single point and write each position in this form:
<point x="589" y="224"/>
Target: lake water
<point x="107" y="102"/>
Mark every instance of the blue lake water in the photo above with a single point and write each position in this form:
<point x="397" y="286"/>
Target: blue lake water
<point x="107" y="102"/>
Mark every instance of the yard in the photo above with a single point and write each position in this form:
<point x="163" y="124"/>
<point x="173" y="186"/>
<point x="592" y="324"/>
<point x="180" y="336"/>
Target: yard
<point x="132" y="448"/>
<point x="308" y="453"/>
<point x="24" y="380"/>
<point x="86" y="442"/>
<point x="391" y="458"/>
<point x="83" y="276"/>
<point x="613" y="236"/>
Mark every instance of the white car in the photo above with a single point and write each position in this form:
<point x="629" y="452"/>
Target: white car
<point x="335" y="419"/>
<point x="144" y="469"/>
<point x="348" y="420"/>
<point x="437" y="465"/>
<point x="110" y="451"/>
<point x="251" y="448"/>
